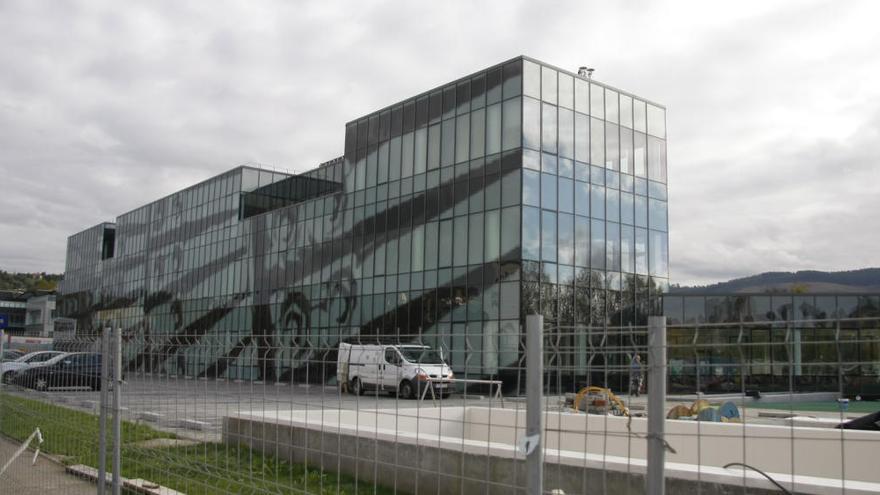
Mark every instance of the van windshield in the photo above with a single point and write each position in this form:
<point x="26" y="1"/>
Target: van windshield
<point x="421" y="355"/>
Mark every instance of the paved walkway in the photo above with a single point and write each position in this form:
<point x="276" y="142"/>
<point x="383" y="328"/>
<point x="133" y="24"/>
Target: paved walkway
<point x="45" y="477"/>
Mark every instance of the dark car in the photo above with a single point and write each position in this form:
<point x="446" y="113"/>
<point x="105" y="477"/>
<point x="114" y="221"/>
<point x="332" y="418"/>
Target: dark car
<point x="78" y="369"/>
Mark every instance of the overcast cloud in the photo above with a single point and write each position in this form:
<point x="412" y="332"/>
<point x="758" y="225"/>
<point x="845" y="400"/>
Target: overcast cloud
<point x="774" y="107"/>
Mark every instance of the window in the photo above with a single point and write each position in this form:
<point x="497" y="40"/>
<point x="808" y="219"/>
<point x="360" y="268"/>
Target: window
<point x="548" y="191"/>
<point x="582" y="198"/>
<point x="531" y="124"/>
<point x="582" y="241"/>
<point x="548" y="236"/>
<point x="612" y="205"/>
<point x="441" y="149"/>
<point x="510" y="233"/>
<point x="512" y="78"/>
<point x="531" y="188"/>
<point x="531" y="233"/>
<point x="493" y="129"/>
<point x="566" y="195"/>
<point x="511" y="130"/>
<point x="612" y="245"/>
<point x="597" y="101"/>
<point x="612" y="147"/>
<point x="581" y="138"/>
<point x="597" y="201"/>
<point x="462" y="132"/>
<point x="656" y="159"/>
<point x="597" y="244"/>
<point x="566" y="239"/>
<point x="657" y="214"/>
<point x="659" y="255"/>
<point x="626" y="208"/>
<point x="446" y="242"/>
<point x="548" y="85"/>
<point x="597" y="142"/>
<point x="641" y="251"/>
<point x="626" y="111"/>
<point x="626" y="150"/>
<point x="611" y="114"/>
<point x="475" y="239"/>
<point x="566" y="133"/>
<point x="656" y="121"/>
<point x="531" y="79"/>
<point x="627" y="249"/>
<point x="582" y="96"/>
<point x="548" y="128"/>
<point x="566" y="91"/>
<point x="640" y="154"/>
<point x="640" y="120"/>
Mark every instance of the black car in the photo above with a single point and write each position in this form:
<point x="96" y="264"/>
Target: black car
<point x="79" y="369"/>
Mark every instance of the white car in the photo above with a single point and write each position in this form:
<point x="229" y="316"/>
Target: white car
<point x="401" y="369"/>
<point x="31" y="360"/>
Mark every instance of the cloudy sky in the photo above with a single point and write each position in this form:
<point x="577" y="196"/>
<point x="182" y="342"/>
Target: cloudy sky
<point x="774" y="108"/>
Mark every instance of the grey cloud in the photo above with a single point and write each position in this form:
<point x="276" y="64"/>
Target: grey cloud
<point x="104" y="107"/>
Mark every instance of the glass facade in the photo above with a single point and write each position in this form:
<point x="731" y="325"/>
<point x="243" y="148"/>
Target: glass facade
<point x="774" y="342"/>
<point x="453" y="214"/>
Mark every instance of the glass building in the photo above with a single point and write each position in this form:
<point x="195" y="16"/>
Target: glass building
<point x="521" y="188"/>
<point x="774" y="342"/>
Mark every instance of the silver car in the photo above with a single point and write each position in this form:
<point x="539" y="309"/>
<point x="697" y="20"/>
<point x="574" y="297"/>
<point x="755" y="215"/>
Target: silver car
<point x="28" y="361"/>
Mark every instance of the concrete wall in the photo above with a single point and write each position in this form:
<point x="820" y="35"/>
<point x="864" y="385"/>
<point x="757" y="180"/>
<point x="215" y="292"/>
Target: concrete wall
<point x="817" y="452"/>
<point x="441" y="468"/>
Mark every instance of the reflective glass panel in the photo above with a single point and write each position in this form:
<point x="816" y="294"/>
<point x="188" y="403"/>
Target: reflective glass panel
<point x="566" y="239"/>
<point x="548" y="191"/>
<point x="531" y="233"/>
<point x="548" y="236"/>
<point x="531" y="79"/>
<point x="548" y="85"/>
<point x="597" y="244"/>
<point x="548" y="128"/>
<point x="531" y="123"/>
<point x="597" y="142"/>
<point x="611" y="106"/>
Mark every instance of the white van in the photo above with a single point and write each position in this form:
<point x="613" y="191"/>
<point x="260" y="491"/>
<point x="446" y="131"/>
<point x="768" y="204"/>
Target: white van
<point x="401" y="369"/>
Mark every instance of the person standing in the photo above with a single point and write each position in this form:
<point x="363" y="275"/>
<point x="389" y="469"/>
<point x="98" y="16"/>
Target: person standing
<point x="635" y="375"/>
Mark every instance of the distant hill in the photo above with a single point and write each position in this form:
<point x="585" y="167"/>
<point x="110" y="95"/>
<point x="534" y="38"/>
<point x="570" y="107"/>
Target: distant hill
<point x="802" y="282"/>
<point x="28" y="282"/>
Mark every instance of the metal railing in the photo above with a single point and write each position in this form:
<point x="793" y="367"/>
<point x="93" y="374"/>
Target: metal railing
<point x="748" y="408"/>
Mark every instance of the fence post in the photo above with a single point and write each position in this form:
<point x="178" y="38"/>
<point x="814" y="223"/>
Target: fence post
<point x="117" y="421"/>
<point x="2" y="350"/>
<point x="656" y="403"/>
<point x="102" y="412"/>
<point x="534" y="393"/>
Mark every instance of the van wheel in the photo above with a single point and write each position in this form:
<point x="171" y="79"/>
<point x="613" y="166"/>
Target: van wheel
<point x="406" y="390"/>
<point x="356" y="388"/>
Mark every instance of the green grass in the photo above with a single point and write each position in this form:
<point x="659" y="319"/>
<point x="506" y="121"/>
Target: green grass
<point x="203" y="468"/>
<point x="824" y="406"/>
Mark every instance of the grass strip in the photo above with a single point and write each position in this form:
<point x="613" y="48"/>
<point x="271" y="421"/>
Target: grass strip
<point x="202" y="468"/>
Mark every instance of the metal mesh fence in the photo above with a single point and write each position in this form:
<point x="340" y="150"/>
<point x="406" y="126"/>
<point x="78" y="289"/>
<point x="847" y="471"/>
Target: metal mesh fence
<point x="750" y="408"/>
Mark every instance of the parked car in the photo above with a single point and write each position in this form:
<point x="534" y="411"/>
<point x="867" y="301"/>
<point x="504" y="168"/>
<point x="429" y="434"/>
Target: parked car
<point x="11" y="355"/>
<point x="30" y="360"/>
<point x="77" y="369"/>
<point x="401" y="369"/>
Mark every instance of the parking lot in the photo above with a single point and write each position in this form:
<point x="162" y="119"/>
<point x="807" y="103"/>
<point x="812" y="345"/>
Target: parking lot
<point x="194" y="408"/>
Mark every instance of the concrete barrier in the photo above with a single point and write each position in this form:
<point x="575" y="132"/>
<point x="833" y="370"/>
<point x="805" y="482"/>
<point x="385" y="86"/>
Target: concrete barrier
<point x="473" y="449"/>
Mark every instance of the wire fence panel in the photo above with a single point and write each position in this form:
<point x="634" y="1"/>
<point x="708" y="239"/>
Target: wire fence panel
<point x="750" y="408"/>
